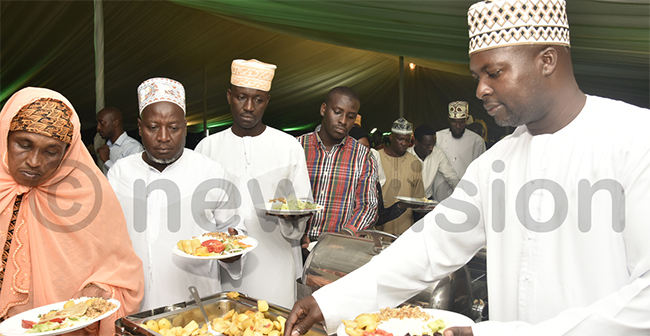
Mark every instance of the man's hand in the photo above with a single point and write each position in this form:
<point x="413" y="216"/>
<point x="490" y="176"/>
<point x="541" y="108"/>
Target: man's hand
<point x="103" y="153"/>
<point x="232" y="232"/>
<point x="92" y="290"/>
<point x="304" y="314"/>
<point x="458" y="331"/>
<point x="304" y="242"/>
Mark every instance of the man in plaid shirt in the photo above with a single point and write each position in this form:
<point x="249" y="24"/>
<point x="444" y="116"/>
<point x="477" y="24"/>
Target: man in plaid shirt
<point x="341" y="170"/>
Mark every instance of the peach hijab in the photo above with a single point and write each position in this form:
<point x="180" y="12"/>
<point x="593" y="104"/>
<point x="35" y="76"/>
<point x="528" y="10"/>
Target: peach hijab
<point x="70" y="230"/>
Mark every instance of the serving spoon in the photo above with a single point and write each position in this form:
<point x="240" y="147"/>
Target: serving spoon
<point x="198" y="301"/>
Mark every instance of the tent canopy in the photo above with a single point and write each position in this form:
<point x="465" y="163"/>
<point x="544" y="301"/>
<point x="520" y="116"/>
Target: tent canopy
<point x="317" y="45"/>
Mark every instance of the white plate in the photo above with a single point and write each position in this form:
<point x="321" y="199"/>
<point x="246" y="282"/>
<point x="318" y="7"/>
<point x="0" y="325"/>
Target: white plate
<point x="451" y="320"/>
<point x="247" y="241"/>
<point x="13" y="325"/>
<point x="416" y="201"/>
<point x="267" y="207"/>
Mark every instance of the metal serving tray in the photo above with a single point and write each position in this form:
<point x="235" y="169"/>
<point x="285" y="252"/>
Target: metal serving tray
<point x="182" y="313"/>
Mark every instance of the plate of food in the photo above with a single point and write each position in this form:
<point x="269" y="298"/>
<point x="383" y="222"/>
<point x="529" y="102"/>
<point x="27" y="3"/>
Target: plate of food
<point x="214" y="246"/>
<point x="402" y="321"/>
<point x="417" y="200"/>
<point x="61" y="317"/>
<point x="290" y="206"/>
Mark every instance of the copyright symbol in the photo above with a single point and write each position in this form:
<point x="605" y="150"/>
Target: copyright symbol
<point x="75" y="208"/>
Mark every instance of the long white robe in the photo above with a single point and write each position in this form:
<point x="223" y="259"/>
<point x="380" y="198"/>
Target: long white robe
<point x="172" y="214"/>
<point x="565" y="217"/>
<point x="435" y="163"/>
<point x="266" y="166"/>
<point x="460" y="152"/>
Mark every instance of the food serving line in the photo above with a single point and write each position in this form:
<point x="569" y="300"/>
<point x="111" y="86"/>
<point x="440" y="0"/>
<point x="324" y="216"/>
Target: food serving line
<point x="183" y="313"/>
<point x="334" y="256"/>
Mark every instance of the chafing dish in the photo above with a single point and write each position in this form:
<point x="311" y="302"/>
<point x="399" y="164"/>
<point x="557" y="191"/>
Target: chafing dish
<point x="335" y="255"/>
<point x="182" y="313"/>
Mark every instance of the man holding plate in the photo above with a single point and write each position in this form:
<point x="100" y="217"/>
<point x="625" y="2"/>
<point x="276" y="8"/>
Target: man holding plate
<point x="170" y="193"/>
<point x="265" y="164"/>
<point x="564" y="214"/>
<point x="341" y="169"/>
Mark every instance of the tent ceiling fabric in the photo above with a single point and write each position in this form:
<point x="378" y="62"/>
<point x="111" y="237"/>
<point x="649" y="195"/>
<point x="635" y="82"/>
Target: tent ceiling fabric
<point x="317" y="45"/>
<point x="610" y="38"/>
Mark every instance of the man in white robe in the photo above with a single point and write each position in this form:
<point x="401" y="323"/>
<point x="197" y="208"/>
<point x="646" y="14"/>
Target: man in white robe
<point x="461" y="147"/>
<point x="169" y="193"/>
<point x="266" y="164"/>
<point x="433" y="159"/>
<point x="436" y="164"/>
<point x="563" y="213"/>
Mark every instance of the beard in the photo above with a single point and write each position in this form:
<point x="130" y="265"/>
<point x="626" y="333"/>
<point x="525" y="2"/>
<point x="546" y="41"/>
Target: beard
<point x="457" y="135"/>
<point x="165" y="161"/>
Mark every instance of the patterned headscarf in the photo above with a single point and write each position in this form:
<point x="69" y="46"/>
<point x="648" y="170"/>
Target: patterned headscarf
<point x="47" y="116"/>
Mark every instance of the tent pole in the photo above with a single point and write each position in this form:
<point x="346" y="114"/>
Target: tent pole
<point x="99" y="56"/>
<point x="401" y="86"/>
<point x="205" y="102"/>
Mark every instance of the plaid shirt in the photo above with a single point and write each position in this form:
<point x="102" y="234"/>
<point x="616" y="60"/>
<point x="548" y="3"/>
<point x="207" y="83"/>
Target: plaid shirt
<point x="344" y="182"/>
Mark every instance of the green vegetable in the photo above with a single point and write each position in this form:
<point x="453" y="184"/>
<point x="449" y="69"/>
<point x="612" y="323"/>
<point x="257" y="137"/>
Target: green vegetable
<point x="294" y="204"/>
<point x="436" y="325"/>
<point x="43" y="327"/>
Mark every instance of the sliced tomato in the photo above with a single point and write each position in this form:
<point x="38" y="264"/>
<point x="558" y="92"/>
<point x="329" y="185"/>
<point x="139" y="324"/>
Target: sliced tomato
<point x="27" y="324"/>
<point x="57" y="320"/>
<point x="213" y="245"/>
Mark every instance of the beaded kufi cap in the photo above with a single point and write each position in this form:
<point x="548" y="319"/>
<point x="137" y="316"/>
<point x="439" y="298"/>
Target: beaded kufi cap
<point x="402" y="126"/>
<point x="458" y="109"/>
<point x="160" y="89"/>
<point x="494" y="24"/>
<point x="252" y="74"/>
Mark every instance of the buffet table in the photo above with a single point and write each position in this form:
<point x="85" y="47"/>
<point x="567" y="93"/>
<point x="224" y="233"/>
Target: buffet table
<point x="182" y="313"/>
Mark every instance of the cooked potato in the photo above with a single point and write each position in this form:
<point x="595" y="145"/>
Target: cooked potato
<point x="201" y="251"/>
<point x="350" y="324"/>
<point x="353" y="331"/>
<point x="371" y="327"/>
<point x="195" y="244"/>
<point x="152" y="325"/>
<point x="229" y="314"/>
<point x="364" y="320"/>
<point x="262" y="305"/>
<point x="164" y="323"/>
<point x="242" y="317"/>
<point x="191" y="327"/>
<point x="248" y="331"/>
<point x="249" y="322"/>
<point x="281" y="320"/>
<point x="187" y="246"/>
<point x="263" y="326"/>
<point x="232" y="295"/>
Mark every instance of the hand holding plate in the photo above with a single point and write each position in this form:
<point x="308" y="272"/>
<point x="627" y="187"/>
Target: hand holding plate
<point x="458" y="331"/>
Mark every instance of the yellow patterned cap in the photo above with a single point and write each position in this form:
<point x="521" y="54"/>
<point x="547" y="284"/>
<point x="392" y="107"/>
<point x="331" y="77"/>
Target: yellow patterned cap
<point x="252" y="74"/>
<point x="458" y="109"/>
<point x="494" y="24"/>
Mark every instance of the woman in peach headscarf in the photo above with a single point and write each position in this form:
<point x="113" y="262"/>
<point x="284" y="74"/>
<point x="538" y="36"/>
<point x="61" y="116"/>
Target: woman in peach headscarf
<point x="61" y="227"/>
